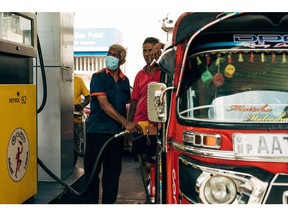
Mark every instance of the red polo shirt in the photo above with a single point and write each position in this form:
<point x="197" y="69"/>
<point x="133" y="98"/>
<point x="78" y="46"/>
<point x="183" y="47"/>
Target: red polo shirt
<point x="139" y="92"/>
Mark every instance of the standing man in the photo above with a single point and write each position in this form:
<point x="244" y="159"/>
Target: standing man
<point x="80" y="90"/>
<point x="110" y="92"/>
<point x="146" y="145"/>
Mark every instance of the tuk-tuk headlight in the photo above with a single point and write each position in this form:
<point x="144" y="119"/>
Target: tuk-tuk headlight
<point x="220" y="190"/>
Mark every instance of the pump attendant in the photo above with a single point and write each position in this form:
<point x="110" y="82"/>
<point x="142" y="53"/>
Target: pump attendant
<point x="80" y="90"/>
<point x="110" y="92"/>
<point x="146" y="145"/>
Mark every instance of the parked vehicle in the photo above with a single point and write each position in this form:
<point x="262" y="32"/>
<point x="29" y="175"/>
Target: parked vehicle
<point x="222" y="105"/>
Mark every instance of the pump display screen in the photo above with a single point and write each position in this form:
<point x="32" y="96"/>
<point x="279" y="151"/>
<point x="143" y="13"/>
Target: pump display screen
<point x="15" y="28"/>
<point x="18" y="33"/>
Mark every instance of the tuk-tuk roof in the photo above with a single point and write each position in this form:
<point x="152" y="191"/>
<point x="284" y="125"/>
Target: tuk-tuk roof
<point x="191" y="22"/>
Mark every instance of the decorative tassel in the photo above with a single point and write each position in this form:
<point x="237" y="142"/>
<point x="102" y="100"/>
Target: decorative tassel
<point x="240" y="57"/>
<point x="208" y="59"/>
<point x="229" y="69"/>
<point x="263" y="59"/>
<point x="199" y="62"/>
<point x="251" y="59"/>
<point x="219" y="59"/>
<point x="273" y="59"/>
<point x="230" y="60"/>
<point x="284" y="59"/>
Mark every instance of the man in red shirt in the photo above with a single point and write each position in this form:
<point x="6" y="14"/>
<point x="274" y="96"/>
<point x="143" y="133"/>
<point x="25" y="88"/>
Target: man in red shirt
<point x="146" y="145"/>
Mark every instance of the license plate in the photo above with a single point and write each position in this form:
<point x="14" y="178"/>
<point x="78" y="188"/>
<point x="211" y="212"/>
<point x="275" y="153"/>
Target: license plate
<point x="262" y="145"/>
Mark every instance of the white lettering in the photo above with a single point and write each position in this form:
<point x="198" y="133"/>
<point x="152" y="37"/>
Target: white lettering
<point x="78" y="35"/>
<point x="95" y="35"/>
<point x="87" y="42"/>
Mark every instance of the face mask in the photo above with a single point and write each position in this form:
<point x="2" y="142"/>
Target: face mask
<point x="111" y="62"/>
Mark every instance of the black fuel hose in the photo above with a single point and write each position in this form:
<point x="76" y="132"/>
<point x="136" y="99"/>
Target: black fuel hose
<point x="69" y="188"/>
<point x="44" y="81"/>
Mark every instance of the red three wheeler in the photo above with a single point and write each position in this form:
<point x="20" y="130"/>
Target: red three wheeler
<point x="222" y="104"/>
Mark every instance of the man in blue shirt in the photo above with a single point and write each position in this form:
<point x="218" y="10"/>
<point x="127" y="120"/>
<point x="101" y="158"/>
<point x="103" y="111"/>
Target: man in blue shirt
<point x="110" y="92"/>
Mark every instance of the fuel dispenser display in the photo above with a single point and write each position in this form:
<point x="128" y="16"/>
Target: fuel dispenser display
<point x="18" y="147"/>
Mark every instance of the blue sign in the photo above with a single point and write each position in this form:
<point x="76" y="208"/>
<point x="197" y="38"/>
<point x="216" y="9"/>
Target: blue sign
<point x="96" y="39"/>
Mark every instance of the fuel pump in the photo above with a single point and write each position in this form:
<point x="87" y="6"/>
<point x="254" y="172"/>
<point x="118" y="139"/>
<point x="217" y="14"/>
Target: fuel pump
<point x="18" y="148"/>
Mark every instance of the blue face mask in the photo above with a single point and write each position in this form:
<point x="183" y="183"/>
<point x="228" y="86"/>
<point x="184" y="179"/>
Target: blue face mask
<point x="111" y="62"/>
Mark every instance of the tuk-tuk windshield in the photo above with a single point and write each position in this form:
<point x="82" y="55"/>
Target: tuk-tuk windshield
<point x="235" y="87"/>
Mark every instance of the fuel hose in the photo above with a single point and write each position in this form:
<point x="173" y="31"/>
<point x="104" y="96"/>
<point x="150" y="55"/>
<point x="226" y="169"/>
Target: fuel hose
<point x="69" y="188"/>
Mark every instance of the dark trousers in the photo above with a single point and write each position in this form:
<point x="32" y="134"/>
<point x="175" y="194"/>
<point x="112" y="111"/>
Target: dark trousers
<point x="140" y="146"/>
<point x="110" y="161"/>
<point x="78" y="135"/>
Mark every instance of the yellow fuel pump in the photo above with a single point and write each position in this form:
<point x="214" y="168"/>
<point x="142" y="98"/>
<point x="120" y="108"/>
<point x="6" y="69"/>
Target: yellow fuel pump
<point x="18" y="135"/>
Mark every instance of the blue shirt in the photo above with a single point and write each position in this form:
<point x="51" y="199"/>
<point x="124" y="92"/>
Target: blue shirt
<point x="118" y="95"/>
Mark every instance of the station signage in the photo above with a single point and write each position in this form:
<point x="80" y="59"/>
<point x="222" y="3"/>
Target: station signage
<point x="95" y="39"/>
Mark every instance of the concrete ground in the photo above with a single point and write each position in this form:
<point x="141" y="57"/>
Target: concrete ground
<point x="131" y="189"/>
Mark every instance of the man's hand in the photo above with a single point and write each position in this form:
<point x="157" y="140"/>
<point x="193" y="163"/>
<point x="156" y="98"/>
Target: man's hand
<point x="133" y="127"/>
<point x="156" y="51"/>
<point x="151" y="130"/>
<point x="78" y="107"/>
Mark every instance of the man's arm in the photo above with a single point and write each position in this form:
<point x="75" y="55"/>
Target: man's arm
<point x="79" y="107"/>
<point x="109" y="110"/>
<point x="86" y="101"/>
<point x="157" y="50"/>
<point x="132" y="110"/>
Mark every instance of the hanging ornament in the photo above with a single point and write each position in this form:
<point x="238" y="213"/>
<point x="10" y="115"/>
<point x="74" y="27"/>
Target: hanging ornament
<point x="199" y="62"/>
<point x="251" y="59"/>
<point x="218" y="78"/>
<point x="240" y="57"/>
<point x="284" y="58"/>
<point x="229" y="58"/>
<point x="208" y="59"/>
<point x="273" y="58"/>
<point x="263" y="58"/>
<point x="229" y="69"/>
<point x="219" y="59"/>
<point x="206" y="75"/>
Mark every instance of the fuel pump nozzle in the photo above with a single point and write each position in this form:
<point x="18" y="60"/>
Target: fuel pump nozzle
<point x="144" y="125"/>
<point x="122" y="133"/>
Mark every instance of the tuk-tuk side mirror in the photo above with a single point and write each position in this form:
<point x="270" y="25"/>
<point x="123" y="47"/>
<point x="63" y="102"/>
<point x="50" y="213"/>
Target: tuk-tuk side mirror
<point x="156" y="102"/>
